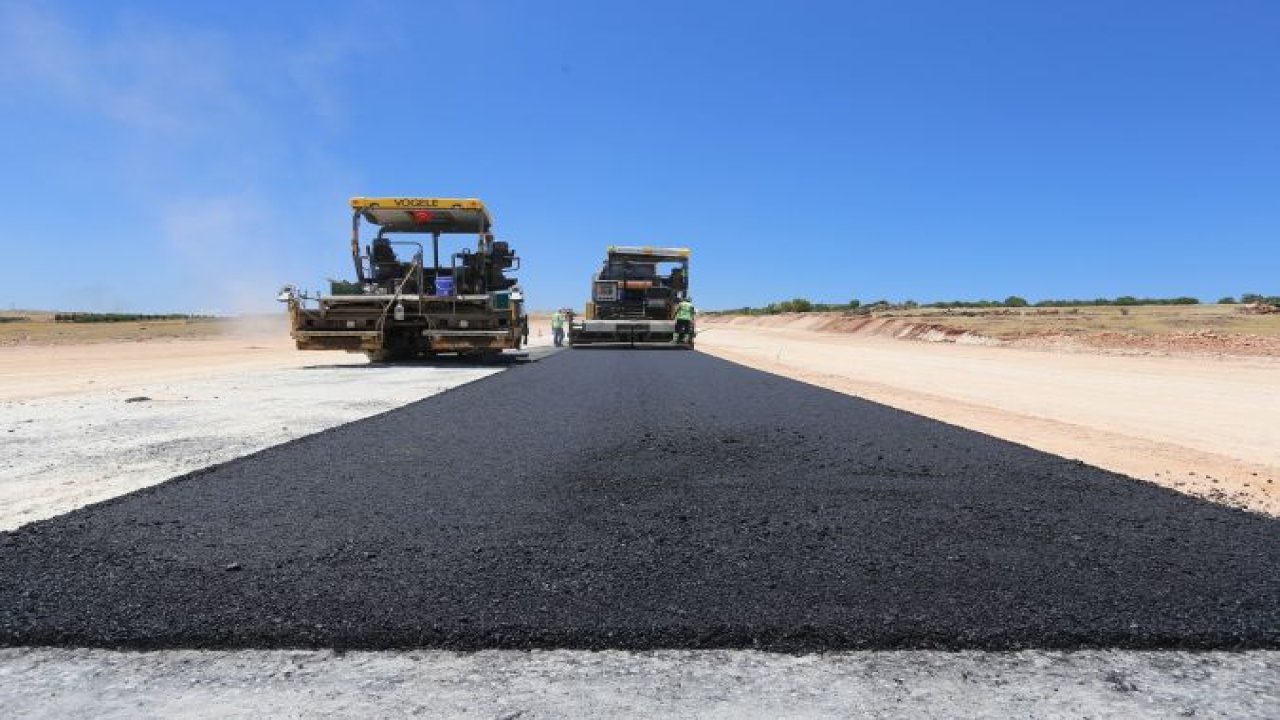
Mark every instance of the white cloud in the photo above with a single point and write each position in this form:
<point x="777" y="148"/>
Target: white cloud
<point x="207" y="137"/>
<point x="312" y="69"/>
<point x="36" y="45"/>
<point x="139" y="74"/>
<point x="150" y="76"/>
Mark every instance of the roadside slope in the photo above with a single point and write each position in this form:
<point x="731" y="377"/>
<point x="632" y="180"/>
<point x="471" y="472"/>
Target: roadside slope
<point x="1205" y="426"/>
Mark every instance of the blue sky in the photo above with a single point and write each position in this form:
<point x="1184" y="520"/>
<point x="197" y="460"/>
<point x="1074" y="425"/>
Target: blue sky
<point x="164" y="156"/>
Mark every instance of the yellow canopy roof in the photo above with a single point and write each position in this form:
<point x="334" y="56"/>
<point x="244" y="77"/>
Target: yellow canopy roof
<point x="649" y="251"/>
<point x="419" y="214"/>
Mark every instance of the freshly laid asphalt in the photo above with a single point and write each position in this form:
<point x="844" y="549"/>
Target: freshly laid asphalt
<point x="646" y="499"/>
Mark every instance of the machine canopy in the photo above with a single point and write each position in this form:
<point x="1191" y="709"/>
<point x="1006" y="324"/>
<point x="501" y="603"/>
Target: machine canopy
<point x="646" y="253"/>
<point x="424" y="215"/>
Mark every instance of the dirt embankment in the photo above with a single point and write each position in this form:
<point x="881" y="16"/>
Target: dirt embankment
<point x="1235" y="330"/>
<point x="856" y="325"/>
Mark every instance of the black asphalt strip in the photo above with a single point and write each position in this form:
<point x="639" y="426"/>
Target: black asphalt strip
<point x="646" y="499"/>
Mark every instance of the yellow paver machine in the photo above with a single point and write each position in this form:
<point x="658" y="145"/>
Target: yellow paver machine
<point x="634" y="298"/>
<point x="399" y="307"/>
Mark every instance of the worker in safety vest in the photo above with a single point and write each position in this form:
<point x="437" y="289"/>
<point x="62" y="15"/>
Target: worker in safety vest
<point x="684" y="320"/>
<point x="557" y="327"/>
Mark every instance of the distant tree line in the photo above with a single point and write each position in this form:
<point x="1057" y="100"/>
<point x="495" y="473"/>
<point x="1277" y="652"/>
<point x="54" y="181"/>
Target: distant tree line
<point x="802" y="305"/>
<point x="1123" y="301"/>
<point x="795" y="305"/>
<point x="13" y="319"/>
<point x="1251" y="299"/>
<point x="124" y="317"/>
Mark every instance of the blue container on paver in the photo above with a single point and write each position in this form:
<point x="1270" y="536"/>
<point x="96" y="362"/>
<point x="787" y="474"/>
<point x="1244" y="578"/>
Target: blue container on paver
<point x="444" y="285"/>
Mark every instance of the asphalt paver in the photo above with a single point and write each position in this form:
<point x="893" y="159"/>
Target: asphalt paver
<point x="646" y="499"/>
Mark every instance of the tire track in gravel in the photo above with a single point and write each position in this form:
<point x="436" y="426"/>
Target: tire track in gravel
<point x="646" y="499"/>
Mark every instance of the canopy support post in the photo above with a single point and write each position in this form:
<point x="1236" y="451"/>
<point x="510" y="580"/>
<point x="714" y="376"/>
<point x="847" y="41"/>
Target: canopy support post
<point x="355" y="246"/>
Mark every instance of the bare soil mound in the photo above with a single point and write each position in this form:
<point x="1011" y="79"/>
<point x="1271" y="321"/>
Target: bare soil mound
<point x="1154" y="330"/>
<point x="866" y="325"/>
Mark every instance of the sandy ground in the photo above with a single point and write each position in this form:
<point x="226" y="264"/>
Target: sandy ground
<point x="52" y="683"/>
<point x="31" y="372"/>
<point x="1202" y="425"/>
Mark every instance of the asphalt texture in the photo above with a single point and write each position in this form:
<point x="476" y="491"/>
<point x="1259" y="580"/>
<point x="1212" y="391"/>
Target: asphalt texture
<point x="646" y="499"/>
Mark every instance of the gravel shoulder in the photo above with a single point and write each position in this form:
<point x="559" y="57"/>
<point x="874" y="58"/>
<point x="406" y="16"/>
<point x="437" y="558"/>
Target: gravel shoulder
<point x="60" y="453"/>
<point x="55" y="683"/>
<point x="84" y="423"/>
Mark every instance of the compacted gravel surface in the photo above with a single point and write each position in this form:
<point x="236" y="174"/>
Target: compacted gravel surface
<point x="645" y="499"/>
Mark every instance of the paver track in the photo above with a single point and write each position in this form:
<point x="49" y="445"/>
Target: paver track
<point x="644" y="499"/>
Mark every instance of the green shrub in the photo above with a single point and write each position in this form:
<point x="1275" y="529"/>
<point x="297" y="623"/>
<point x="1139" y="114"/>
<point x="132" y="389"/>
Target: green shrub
<point x="1013" y="301"/>
<point x="1124" y="300"/>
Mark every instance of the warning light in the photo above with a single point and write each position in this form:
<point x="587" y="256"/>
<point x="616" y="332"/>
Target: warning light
<point x="422" y="217"/>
